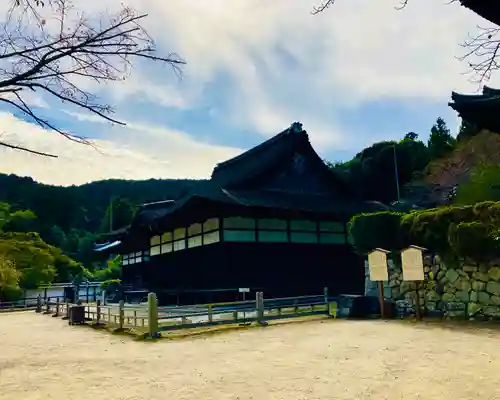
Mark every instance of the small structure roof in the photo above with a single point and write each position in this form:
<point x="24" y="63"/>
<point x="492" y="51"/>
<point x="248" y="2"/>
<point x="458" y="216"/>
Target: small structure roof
<point x="488" y="9"/>
<point x="107" y="245"/>
<point x="412" y="246"/>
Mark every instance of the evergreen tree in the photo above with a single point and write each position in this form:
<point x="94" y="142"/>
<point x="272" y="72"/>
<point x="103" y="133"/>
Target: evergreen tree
<point x="466" y="131"/>
<point x="440" y="141"/>
<point x="118" y="215"/>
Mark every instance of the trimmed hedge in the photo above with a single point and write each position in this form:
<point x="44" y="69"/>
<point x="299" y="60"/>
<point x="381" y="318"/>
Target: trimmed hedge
<point x="381" y="229"/>
<point x="467" y="232"/>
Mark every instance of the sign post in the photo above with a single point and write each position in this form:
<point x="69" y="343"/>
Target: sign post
<point x="377" y="261"/>
<point x="413" y="270"/>
<point x="244" y="291"/>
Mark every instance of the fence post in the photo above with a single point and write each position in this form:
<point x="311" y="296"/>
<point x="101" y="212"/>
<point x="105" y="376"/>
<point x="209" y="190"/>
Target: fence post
<point x="210" y="316"/>
<point x="98" y="312"/>
<point x="121" y="314"/>
<point x="66" y="315"/>
<point x="38" y="304"/>
<point x="259" y="305"/>
<point x="47" y="306"/>
<point x="152" y="315"/>
<point x="56" y="314"/>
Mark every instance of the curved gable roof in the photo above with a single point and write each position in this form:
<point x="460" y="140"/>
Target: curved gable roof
<point x="262" y="158"/>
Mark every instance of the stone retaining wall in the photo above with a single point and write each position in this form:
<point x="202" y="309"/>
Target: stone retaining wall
<point x="477" y="288"/>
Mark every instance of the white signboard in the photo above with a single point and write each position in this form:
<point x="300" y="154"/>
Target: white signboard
<point x="377" y="261"/>
<point x="413" y="264"/>
<point x="244" y="290"/>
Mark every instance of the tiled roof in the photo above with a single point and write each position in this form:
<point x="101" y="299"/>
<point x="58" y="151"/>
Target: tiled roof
<point x="236" y="182"/>
<point x="488" y="9"/>
<point x="480" y="110"/>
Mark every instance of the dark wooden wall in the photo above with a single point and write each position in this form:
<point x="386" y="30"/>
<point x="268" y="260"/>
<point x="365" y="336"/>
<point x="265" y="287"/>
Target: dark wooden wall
<point x="276" y="269"/>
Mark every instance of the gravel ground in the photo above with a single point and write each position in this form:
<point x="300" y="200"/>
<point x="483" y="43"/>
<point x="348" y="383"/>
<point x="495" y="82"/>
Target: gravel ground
<point x="44" y="358"/>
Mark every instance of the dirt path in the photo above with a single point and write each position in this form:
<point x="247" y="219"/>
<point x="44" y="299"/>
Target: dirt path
<point x="44" y="358"/>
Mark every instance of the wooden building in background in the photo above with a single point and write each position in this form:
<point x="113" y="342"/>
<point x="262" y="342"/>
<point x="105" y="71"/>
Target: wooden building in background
<point x="272" y="219"/>
<point x="488" y="9"/>
<point x="479" y="110"/>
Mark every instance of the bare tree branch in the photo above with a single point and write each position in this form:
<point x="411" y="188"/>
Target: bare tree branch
<point x="482" y="49"/>
<point x="327" y="3"/>
<point x="58" y="54"/>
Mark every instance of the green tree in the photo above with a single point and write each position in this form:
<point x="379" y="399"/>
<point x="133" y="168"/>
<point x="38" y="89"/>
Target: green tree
<point x="411" y="136"/>
<point x="440" y="140"/>
<point x="15" y="221"/>
<point x="119" y="214"/>
<point x="9" y="279"/>
<point x="112" y="271"/>
<point x="372" y="172"/>
<point x="466" y="131"/>
<point x="32" y="258"/>
<point x="483" y="184"/>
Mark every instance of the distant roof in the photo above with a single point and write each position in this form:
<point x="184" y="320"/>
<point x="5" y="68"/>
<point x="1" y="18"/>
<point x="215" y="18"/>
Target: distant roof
<point x="488" y="9"/>
<point x="107" y="245"/>
<point x="480" y="110"/>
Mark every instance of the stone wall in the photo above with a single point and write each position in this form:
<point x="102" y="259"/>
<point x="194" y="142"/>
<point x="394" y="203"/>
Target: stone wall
<point x="475" y="288"/>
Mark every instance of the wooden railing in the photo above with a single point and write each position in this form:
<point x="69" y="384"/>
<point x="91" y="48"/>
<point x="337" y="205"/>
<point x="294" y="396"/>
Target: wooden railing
<point x="153" y="319"/>
<point x="113" y="315"/>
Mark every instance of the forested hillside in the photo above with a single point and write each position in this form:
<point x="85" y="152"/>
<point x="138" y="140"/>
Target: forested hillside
<point x="83" y="207"/>
<point x="71" y="218"/>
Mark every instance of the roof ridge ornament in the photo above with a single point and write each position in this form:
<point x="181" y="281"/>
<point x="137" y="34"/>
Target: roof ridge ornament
<point x="296" y="127"/>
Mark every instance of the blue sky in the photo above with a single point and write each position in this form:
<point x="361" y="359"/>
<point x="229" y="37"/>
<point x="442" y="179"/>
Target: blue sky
<point x="357" y="74"/>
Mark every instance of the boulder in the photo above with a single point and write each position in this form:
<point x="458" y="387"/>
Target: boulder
<point x="494" y="273"/>
<point x="495" y="300"/>
<point x="450" y="289"/>
<point x="469" y="268"/>
<point x="462" y="284"/>
<point x="481" y="276"/>
<point x="473" y="308"/>
<point x="474" y="296"/>
<point x="493" y="287"/>
<point x="448" y="297"/>
<point x="492" y="311"/>
<point x="462" y="296"/>
<point x="483" y="298"/>
<point x="451" y="275"/>
<point x="478" y="286"/>
<point x="432" y="296"/>
<point x="406" y="287"/>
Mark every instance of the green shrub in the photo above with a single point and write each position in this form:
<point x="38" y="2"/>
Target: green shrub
<point x="111" y="285"/>
<point x="429" y="228"/>
<point x="381" y="229"/>
<point x="475" y="241"/>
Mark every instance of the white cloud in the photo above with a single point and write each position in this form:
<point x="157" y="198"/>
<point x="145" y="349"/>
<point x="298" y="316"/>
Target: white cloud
<point x="277" y="64"/>
<point x="143" y="152"/>
<point x="357" y="51"/>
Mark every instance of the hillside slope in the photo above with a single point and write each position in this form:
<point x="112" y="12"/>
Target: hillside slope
<point x="83" y="207"/>
<point x="442" y="176"/>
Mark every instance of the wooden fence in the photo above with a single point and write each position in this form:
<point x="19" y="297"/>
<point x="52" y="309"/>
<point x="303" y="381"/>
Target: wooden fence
<point x="153" y="319"/>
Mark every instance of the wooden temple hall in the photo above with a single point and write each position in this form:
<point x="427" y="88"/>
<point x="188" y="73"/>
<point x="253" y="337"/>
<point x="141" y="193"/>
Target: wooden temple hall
<point x="271" y="219"/>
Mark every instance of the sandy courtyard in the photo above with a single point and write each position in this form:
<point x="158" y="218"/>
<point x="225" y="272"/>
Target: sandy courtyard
<point x="44" y="358"/>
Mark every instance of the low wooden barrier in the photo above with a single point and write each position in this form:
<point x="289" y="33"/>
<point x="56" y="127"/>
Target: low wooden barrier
<point x="154" y="319"/>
